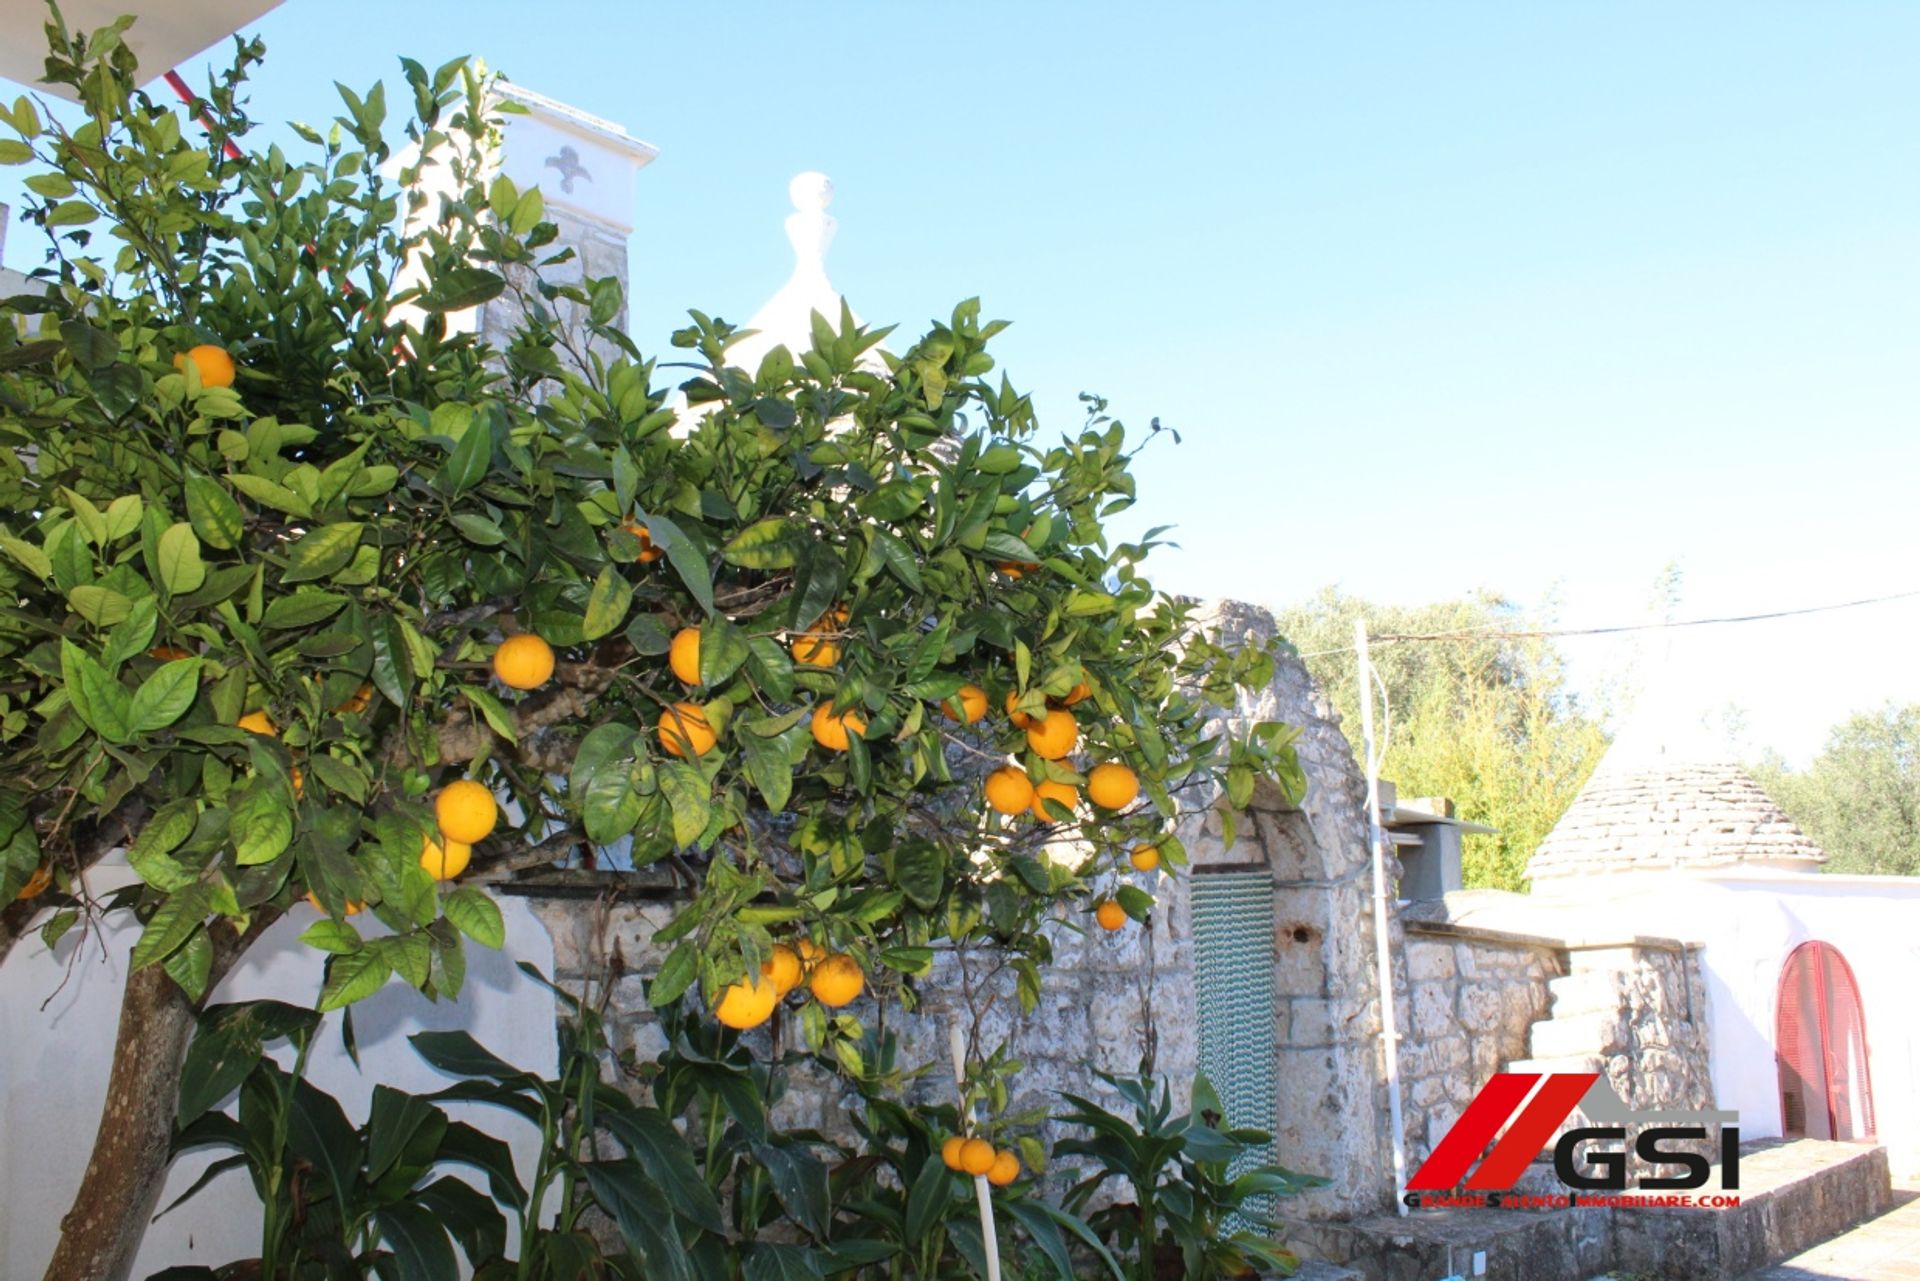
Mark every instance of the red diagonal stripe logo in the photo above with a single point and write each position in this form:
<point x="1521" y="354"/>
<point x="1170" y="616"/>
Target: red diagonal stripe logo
<point x="1469" y="1136"/>
<point x="1555" y="1102"/>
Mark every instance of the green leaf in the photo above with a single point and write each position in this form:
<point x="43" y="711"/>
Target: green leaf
<point x="57" y="926"/>
<point x="101" y="701"/>
<point x="303" y="608"/>
<point x="723" y="647"/>
<point x="133" y="635"/>
<point x="270" y="494"/>
<point x="773" y="543"/>
<point x="150" y="853"/>
<point x="123" y="516"/>
<point x="165" y="696"/>
<point x="777" y="1261"/>
<point x="353" y="977"/>
<point x="337" y="938"/>
<point x="14" y="152"/>
<point x="181" y="569"/>
<point x="676" y="975"/>
<point x="690" y="797"/>
<point x="897" y="557"/>
<point x="321" y="552"/>
<point x="685" y="558"/>
<point x="498" y="719"/>
<point x="651" y="1139"/>
<point x="191" y="965"/>
<point x="457" y="288"/>
<point x="262" y="827"/>
<point x="177" y="917"/>
<point x="394" y="1121"/>
<point x="31" y="558"/>
<point x="769" y="768"/>
<point x="468" y="463"/>
<point x="99" y="605"/>
<point x="480" y="531"/>
<point x="607" y="604"/>
<point x="475" y="914"/>
<point x="421" y="1248"/>
<point x="630" y="1197"/>
<point x="770" y="668"/>
<point x="215" y="516"/>
<point x="459" y="1054"/>
<point x="226" y="1047"/>
<point x="71" y="213"/>
<point x="919" y="868"/>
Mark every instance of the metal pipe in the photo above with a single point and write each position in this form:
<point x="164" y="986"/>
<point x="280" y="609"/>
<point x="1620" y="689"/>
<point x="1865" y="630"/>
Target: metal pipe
<point x="1382" y="949"/>
<point x="206" y="122"/>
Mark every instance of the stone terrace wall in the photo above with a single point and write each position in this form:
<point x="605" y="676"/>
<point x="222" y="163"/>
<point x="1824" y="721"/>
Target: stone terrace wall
<point x="1472" y="1003"/>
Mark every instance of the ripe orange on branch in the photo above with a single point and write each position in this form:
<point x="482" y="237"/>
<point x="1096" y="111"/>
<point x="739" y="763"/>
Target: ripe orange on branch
<point x="1065" y="795"/>
<point x="1110" y="915"/>
<point x="1009" y="790"/>
<point x="648" y="553"/>
<point x="685" y="731"/>
<point x="1019" y="718"/>
<point x="683" y="655"/>
<point x="1112" y="786"/>
<point x="950" y="1150"/>
<point x="837" y="981"/>
<point x="835" y="732"/>
<point x="743" y="1005"/>
<point x="977" y="1156"/>
<point x="811" y="649"/>
<point x="1144" y="858"/>
<point x="523" y="662"/>
<point x="968" y="704"/>
<point x="1005" y="1168"/>
<point x="215" y="365"/>
<point x="444" y="859"/>
<point x="466" y="811"/>
<point x="1055" y="736"/>
<point x="258" y="722"/>
<point x="783" y="968"/>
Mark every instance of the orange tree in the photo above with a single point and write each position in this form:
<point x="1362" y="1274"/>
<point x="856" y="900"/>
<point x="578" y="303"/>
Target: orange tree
<point x="312" y="595"/>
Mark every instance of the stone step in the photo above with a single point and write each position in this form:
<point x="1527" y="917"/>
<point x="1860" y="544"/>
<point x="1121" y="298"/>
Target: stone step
<point x="1317" y="1270"/>
<point x="1792" y="1195"/>
<point x="1590" y="991"/>
<point x="1577" y="1035"/>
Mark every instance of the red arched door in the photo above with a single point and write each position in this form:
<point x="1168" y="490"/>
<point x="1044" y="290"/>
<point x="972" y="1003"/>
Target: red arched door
<point x="1820" y="1041"/>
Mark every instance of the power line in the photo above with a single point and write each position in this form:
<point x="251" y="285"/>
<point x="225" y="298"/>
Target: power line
<point x="1549" y="633"/>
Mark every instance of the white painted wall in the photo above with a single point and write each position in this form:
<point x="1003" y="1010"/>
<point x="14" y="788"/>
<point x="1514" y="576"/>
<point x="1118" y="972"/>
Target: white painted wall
<point x="54" y="1064"/>
<point x="1750" y="923"/>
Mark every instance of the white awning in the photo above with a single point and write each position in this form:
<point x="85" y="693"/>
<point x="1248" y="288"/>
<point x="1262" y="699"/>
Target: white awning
<point x="165" y="34"/>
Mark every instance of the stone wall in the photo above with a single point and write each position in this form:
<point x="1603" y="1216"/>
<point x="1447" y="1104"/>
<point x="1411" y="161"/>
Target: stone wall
<point x="1471" y="1003"/>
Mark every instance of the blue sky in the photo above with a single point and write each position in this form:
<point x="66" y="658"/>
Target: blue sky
<point x="1531" y="297"/>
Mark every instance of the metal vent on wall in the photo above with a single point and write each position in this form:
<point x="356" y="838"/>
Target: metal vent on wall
<point x="1233" y="957"/>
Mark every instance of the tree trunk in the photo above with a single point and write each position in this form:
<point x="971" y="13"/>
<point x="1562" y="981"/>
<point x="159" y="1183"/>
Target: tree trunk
<point x="101" y="1233"/>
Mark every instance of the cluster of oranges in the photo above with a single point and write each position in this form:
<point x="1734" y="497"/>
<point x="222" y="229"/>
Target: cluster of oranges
<point x="1052" y="736"/>
<point x="834" y="978"/>
<point x="976" y="1156"/>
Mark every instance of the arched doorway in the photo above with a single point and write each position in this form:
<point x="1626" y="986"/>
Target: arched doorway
<point x="1820" y="1042"/>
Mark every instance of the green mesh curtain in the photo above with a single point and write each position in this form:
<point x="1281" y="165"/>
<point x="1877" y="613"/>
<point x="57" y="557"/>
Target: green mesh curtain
<point x="1233" y="973"/>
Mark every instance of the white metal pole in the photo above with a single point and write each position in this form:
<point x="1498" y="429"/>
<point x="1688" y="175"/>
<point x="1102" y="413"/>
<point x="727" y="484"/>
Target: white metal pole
<point x="989" y="1238"/>
<point x="1382" y="947"/>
